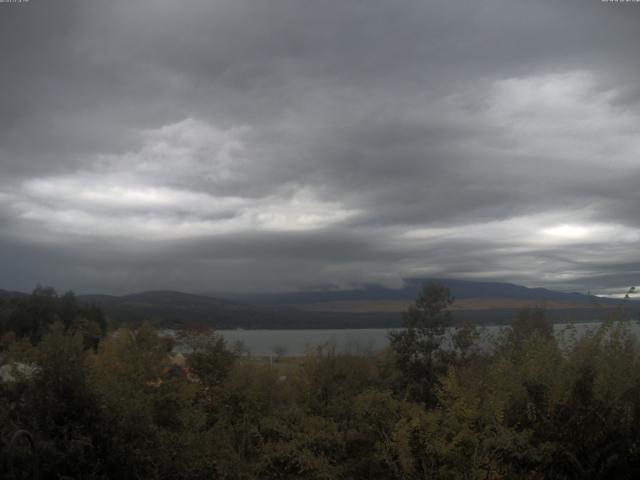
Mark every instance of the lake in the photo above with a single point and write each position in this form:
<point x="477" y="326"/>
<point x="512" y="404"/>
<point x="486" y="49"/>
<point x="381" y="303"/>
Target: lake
<point x="298" y="342"/>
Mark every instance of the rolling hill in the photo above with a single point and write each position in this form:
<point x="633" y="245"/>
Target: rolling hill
<point x="5" y="294"/>
<point x="369" y="307"/>
<point x="459" y="289"/>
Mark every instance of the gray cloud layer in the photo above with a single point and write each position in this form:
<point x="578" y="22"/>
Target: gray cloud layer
<point x="281" y="144"/>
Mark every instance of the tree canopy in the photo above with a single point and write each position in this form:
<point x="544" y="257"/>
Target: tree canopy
<point x="534" y="405"/>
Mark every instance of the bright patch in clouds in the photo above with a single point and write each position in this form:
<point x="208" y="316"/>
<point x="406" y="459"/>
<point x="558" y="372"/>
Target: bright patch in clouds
<point x="567" y="232"/>
<point x="565" y="115"/>
<point x="138" y="194"/>
<point x="189" y="149"/>
<point x="530" y="232"/>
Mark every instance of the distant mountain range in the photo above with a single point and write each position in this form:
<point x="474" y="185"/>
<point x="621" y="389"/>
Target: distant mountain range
<point x="159" y="298"/>
<point x="10" y="294"/>
<point x="460" y="289"/>
<point x="369" y="307"/>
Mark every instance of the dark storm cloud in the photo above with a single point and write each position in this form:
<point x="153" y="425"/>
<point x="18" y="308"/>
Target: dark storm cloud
<point x="282" y="144"/>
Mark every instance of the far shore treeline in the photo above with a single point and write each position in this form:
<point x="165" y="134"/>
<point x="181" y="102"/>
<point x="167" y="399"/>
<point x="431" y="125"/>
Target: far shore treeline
<point x="85" y="397"/>
<point x="482" y="303"/>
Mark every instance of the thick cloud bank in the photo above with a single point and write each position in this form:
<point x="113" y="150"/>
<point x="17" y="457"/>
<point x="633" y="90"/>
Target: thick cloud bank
<point x="275" y="145"/>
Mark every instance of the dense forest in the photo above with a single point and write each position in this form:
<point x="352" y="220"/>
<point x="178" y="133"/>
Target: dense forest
<point x="82" y="400"/>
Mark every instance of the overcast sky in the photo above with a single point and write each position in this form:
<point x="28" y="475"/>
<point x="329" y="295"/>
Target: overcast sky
<point x="225" y="145"/>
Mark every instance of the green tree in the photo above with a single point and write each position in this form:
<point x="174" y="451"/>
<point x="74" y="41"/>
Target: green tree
<point x="62" y="411"/>
<point x="527" y="322"/>
<point x="210" y="359"/>
<point x="416" y="346"/>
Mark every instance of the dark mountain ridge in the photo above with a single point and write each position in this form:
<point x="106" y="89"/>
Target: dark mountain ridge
<point x="292" y="310"/>
<point x="460" y="289"/>
<point x="157" y="298"/>
<point x="5" y="294"/>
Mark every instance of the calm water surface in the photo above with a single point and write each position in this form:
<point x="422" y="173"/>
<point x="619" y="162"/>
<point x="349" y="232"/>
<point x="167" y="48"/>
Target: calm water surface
<point x="299" y="342"/>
